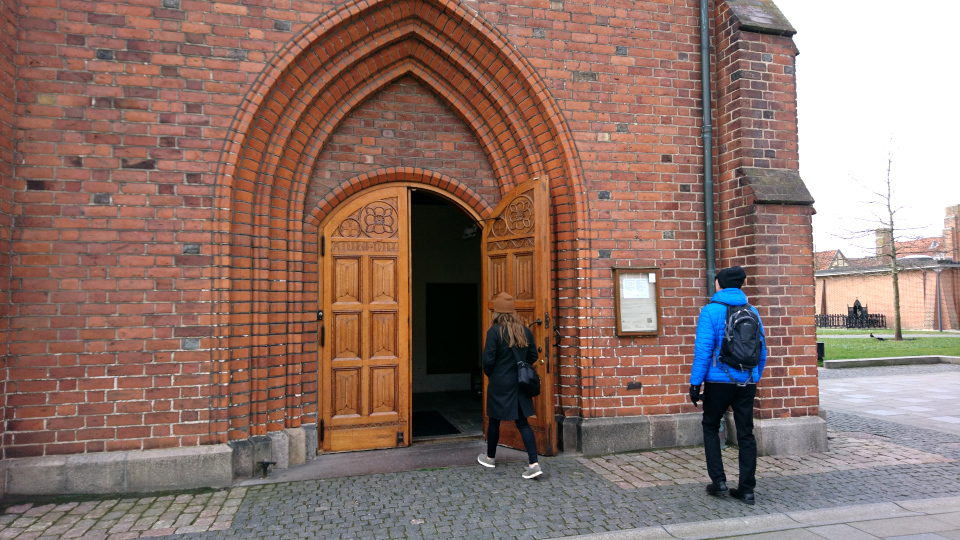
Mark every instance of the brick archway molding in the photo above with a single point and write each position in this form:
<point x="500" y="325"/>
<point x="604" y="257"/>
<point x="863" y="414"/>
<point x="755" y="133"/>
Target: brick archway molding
<point x="264" y="324"/>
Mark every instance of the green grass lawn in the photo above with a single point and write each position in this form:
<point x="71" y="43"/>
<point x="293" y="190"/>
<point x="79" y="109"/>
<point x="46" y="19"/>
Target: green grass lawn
<point x="827" y="332"/>
<point x="842" y="349"/>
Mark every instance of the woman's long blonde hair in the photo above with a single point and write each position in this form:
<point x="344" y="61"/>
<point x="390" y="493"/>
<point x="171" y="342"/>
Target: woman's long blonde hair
<point x="516" y="336"/>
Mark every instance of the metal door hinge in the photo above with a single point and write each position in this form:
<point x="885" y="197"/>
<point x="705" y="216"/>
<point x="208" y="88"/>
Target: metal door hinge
<point x="322" y="245"/>
<point x="321" y="430"/>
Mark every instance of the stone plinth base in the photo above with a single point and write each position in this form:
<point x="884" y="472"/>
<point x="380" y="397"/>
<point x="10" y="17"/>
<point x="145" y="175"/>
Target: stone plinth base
<point x="121" y="472"/>
<point x="599" y="436"/>
<point x="286" y="448"/>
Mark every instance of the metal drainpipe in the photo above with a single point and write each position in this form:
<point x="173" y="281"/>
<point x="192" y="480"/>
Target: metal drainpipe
<point x="707" y="144"/>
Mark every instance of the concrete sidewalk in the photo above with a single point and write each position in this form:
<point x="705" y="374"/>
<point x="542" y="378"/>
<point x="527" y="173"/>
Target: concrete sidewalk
<point x="927" y="519"/>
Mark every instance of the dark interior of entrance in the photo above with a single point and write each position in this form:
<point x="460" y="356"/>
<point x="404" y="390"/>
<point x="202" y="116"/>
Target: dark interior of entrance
<point x="445" y="253"/>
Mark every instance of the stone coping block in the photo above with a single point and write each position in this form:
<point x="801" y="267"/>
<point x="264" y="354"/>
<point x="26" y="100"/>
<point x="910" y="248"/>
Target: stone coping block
<point x="790" y="436"/>
<point x="844" y="514"/>
<point x="279" y="449"/>
<point x="945" y="505"/>
<point x="731" y="526"/>
<point x="776" y="186"/>
<point x="890" y="361"/>
<point x="141" y="471"/>
<point x="599" y="436"/>
<point x="761" y="16"/>
<point x="777" y="436"/>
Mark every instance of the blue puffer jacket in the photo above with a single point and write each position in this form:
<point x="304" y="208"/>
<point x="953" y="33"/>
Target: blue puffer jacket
<point x="710" y="326"/>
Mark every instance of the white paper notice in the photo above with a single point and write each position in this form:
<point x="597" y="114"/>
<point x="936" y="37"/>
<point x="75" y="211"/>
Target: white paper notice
<point x="653" y="277"/>
<point x="635" y="288"/>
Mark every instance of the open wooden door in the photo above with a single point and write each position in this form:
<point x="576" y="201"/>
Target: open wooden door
<point x="365" y="323"/>
<point x="516" y="260"/>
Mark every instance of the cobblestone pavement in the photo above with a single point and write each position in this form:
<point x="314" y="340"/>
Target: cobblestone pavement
<point x="871" y="460"/>
<point x="685" y="465"/>
<point x="124" y="518"/>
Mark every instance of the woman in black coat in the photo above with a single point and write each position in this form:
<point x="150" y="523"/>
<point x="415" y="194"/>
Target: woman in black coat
<point x="508" y="342"/>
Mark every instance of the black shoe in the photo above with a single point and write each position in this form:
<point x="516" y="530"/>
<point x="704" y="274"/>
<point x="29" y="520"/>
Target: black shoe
<point x="746" y="498"/>
<point x="717" y="488"/>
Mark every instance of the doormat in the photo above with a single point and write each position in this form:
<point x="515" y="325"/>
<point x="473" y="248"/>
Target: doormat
<point x="431" y="424"/>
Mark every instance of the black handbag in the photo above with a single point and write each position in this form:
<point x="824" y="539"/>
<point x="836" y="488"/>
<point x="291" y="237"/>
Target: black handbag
<point x="528" y="379"/>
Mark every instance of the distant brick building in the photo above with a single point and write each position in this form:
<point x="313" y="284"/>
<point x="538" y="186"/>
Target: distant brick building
<point x="207" y="211"/>
<point x="929" y="280"/>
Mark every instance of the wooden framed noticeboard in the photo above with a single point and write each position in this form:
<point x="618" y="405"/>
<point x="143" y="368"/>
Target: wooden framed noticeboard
<point x="636" y="293"/>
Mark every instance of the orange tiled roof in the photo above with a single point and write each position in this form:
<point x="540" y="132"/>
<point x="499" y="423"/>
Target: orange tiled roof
<point x="822" y="259"/>
<point x="930" y="247"/>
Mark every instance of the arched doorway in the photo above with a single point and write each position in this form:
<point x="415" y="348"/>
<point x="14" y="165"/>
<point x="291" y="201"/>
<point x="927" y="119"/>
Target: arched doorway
<point x="387" y="308"/>
<point x="265" y="237"/>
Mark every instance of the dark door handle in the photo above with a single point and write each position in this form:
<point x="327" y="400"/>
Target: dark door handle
<point x="538" y="321"/>
<point x="557" y="335"/>
<point x="546" y="347"/>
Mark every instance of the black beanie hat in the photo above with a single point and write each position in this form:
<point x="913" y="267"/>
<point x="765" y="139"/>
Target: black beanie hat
<point x="732" y="277"/>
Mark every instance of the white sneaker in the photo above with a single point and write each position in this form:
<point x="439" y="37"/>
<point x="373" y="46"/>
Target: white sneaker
<point x="532" y="472"/>
<point x="485" y="461"/>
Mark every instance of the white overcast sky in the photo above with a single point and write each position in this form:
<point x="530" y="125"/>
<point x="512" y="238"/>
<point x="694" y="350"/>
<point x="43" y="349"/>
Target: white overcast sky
<point x="869" y="71"/>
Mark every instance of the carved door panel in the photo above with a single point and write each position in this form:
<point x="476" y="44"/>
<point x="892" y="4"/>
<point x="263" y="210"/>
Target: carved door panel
<point x="364" y="332"/>
<point x="516" y="259"/>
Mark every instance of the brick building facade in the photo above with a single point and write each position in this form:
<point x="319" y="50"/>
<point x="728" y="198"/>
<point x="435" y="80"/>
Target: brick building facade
<point x="928" y="280"/>
<point x="169" y="169"/>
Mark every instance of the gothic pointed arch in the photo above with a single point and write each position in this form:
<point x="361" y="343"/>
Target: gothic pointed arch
<point x="263" y="308"/>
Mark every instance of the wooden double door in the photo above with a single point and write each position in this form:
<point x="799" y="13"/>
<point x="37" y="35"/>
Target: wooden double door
<point x="365" y="390"/>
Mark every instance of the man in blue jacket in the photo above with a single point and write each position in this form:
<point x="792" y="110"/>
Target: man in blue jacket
<point x="726" y="386"/>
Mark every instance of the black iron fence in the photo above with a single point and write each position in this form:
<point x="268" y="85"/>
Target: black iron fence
<point x="845" y="321"/>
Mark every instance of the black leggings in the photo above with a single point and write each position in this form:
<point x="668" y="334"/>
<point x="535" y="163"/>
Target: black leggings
<point x="529" y="442"/>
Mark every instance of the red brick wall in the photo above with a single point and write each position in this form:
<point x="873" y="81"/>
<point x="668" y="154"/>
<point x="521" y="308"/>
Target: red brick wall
<point x="124" y="268"/>
<point x="404" y="125"/>
<point x="757" y="128"/>
<point x="8" y="19"/>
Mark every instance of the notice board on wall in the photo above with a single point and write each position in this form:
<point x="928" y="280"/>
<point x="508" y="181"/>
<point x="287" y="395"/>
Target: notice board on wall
<point x="637" y="300"/>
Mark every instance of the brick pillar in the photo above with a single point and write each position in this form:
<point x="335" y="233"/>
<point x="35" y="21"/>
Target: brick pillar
<point x="951" y="228"/>
<point x="884" y="242"/>
<point x="8" y="20"/>
<point x="765" y="215"/>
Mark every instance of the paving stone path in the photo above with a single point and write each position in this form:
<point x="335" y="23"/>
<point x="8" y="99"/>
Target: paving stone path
<point x="871" y="460"/>
<point x="853" y="450"/>
<point x="123" y="518"/>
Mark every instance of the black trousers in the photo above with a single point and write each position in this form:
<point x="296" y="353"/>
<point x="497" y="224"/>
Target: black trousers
<point x="526" y="433"/>
<point x="716" y="398"/>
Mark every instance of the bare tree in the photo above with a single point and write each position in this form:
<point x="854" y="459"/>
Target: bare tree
<point x="886" y="237"/>
<point x="892" y="255"/>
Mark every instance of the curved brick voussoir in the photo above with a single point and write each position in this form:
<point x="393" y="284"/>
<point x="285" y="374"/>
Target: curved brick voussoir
<point x="313" y="84"/>
<point x="328" y="96"/>
<point x="452" y="186"/>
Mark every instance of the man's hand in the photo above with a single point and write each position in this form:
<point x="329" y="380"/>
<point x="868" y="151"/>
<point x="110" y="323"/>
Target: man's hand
<point x="694" y="394"/>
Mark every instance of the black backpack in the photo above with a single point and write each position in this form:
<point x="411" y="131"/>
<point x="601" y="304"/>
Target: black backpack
<point x="742" y="343"/>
